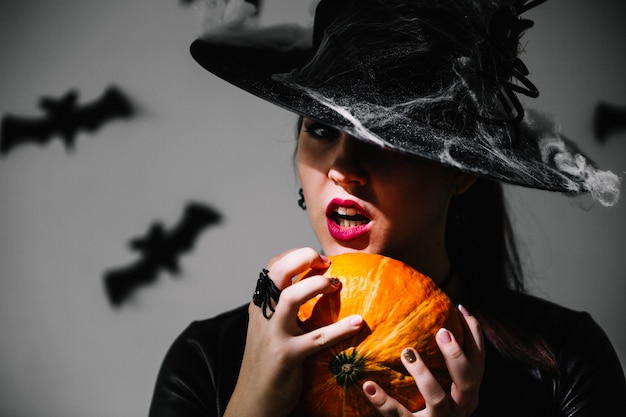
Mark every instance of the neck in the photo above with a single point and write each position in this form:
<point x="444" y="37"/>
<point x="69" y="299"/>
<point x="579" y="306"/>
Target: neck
<point x="435" y="265"/>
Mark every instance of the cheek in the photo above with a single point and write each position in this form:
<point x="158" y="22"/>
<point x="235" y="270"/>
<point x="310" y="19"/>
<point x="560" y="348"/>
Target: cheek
<point x="312" y="182"/>
<point x="308" y="176"/>
<point x="418" y="196"/>
<point x="304" y="163"/>
<point x="302" y="168"/>
<point x="311" y="171"/>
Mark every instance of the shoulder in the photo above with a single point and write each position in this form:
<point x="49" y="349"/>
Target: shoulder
<point x="590" y="376"/>
<point x="200" y="369"/>
<point x="543" y="315"/>
<point x="517" y="299"/>
<point x="224" y="325"/>
<point x="212" y="340"/>
<point x="566" y="330"/>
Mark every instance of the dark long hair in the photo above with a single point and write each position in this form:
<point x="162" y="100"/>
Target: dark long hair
<point x="480" y="242"/>
<point x="481" y="245"/>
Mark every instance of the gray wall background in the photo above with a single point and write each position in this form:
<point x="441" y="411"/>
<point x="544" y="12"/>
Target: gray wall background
<point x="66" y="217"/>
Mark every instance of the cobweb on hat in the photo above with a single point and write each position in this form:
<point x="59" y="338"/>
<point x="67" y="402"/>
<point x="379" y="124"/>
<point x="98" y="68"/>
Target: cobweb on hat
<point x="578" y="173"/>
<point x="378" y="120"/>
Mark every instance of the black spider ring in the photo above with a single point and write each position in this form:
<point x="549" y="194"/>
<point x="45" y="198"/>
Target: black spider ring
<point x="265" y="292"/>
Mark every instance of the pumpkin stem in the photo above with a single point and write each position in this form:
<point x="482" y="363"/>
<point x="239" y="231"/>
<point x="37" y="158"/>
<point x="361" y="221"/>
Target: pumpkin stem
<point x="346" y="367"/>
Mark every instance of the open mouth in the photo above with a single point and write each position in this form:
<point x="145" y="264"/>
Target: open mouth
<point x="346" y="220"/>
<point x="348" y="217"/>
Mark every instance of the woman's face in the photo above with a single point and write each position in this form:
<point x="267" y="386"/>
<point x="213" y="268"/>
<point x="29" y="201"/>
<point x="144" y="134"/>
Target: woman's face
<point x="361" y="197"/>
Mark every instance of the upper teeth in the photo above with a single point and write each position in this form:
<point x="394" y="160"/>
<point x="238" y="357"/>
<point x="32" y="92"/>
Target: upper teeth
<point x="347" y="211"/>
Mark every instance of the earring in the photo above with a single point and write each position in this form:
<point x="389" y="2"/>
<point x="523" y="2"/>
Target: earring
<point x="301" y="201"/>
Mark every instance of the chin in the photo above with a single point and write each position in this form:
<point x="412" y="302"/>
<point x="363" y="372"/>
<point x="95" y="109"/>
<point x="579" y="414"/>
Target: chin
<point x="337" y="248"/>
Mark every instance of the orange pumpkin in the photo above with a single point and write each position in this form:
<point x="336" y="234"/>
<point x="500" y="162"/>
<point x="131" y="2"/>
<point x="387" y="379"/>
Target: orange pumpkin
<point x="401" y="307"/>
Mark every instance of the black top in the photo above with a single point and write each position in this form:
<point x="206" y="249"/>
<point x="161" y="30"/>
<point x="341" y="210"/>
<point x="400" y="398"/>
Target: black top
<point x="200" y="370"/>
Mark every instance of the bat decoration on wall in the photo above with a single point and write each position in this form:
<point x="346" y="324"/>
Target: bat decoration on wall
<point x="608" y="119"/>
<point x="159" y="250"/>
<point x="64" y="118"/>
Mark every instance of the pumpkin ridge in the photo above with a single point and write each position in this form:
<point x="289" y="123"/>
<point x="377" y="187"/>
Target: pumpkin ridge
<point x="368" y="301"/>
<point x="401" y="307"/>
<point x="403" y="332"/>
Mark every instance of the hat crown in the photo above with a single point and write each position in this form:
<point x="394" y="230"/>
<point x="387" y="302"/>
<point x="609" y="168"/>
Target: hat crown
<point x="437" y="56"/>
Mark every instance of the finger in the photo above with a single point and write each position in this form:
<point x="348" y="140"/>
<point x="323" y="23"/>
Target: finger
<point x="295" y="295"/>
<point x="387" y="406"/>
<point x="287" y="265"/>
<point x="318" y="339"/>
<point x="435" y="396"/>
<point x="474" y="346"/>
<point x="467" y="374"/>
<point x="465" y="379"/>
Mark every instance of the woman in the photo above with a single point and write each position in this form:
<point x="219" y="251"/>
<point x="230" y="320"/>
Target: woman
<point x="409" y="120"/>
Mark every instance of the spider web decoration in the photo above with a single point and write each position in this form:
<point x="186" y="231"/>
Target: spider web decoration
<point x="472" y="119"/>
<point x="439" y="80"/>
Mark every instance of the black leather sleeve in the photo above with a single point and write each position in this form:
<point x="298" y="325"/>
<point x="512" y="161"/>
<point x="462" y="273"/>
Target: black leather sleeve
<point x="589" y="381"/>
<point x="201" y="368"/>
<point x="592" y="380"/>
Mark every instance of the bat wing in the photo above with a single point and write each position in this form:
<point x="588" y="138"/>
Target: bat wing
<point x="112" y="104"/>
<point x="195" y="219"/>
<point x="121" y="283"/>
<point x="64" y="118"/>
<point x="159" y="251"/>
<point x="608" y="119"/>
<point x="17" y="131"/>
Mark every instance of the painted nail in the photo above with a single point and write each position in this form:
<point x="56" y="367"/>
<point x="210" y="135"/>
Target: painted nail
<point x="334" y="282"/>
<point x="369" y="388"/>
<point x="356" y="321"/>
<point x="409" y="355"/>
<point x="464" y="311"/>
<point x="444" y="336"/>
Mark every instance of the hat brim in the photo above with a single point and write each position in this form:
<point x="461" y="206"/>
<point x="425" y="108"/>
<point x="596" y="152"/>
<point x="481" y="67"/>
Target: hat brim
<point x="253" y="68"/>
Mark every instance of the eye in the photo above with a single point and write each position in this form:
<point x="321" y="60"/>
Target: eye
<point x="320" y="130"/>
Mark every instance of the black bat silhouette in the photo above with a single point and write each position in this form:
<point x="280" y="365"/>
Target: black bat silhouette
<point x="63" y="118"/>
<point x="608" y="119"/>
<point x="160" y="250"/>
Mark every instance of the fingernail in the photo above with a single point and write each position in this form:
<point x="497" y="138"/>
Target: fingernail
<point x="356" y="321"/>
<point x="325" y="259"/>
<point x="409" y="355"/>
<point x="464" y="311"/>
<point x="444" y="336"/>
<point x="334" y="282"/>
<point x="369" y="388"/>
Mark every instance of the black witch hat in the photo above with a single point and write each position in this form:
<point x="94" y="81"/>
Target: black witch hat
<point x="437" y="79"/>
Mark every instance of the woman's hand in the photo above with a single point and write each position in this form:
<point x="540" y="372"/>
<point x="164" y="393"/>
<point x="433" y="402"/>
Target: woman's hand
<point x="466" y="369"/>
<point x="270" y="378"/>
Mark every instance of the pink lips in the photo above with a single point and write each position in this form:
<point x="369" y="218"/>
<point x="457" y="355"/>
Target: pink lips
<point x="344" y="233"/>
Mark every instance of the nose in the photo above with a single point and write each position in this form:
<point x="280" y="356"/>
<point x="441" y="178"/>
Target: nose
<point x="349" y="167"/>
